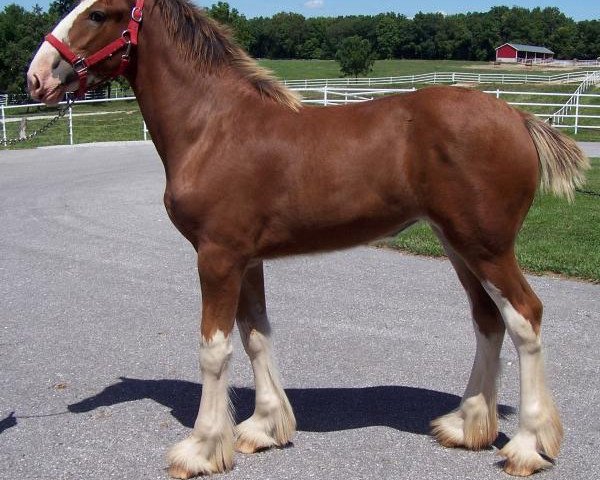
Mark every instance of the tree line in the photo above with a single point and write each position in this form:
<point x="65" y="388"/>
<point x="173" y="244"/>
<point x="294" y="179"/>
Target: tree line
<point x="468" y="36"/>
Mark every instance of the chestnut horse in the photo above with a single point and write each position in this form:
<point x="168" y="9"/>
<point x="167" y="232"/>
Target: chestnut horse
<point x="251" y="174"/>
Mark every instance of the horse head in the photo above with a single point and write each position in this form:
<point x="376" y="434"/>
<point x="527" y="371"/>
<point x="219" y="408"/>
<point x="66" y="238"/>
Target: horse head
<point x="89" y="46"/>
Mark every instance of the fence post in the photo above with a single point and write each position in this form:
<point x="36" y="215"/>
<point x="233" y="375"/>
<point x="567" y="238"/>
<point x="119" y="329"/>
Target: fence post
<point x="3" y="126"/>
<point x="325" y="99"/>
<point x="145" y="130"/>
<point x="576" y="112"/>
<point x="497" y="93"/>
<point x="70" y="124"/>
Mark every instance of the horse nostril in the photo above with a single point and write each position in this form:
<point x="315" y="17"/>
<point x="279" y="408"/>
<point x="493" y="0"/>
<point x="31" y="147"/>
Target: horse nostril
<point x="33" y="82"/>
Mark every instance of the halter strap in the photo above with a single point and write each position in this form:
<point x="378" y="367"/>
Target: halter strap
<point x="127" y="40"/>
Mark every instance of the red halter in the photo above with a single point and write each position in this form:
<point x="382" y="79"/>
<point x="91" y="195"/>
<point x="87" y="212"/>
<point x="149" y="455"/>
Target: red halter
<point x="128" y="39"/>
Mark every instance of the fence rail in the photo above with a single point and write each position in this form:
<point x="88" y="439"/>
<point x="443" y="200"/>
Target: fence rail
<point x="443" y="77"/>
<point x="124" y="122"/>
<point x="114" y="93"/>
<point x="117" y="92"/>
<point x="574" y="101"/>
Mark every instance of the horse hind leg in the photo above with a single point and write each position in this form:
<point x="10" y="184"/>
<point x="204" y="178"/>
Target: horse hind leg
<point x="474" y="424"/>
<point x="540" y="428"/>
<point x="272" y="423"/>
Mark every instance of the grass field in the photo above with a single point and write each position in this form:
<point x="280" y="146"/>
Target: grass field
<point x="557" y="237"/>
<point x="301" y="69"/>
<point x="112" y="121"/>
<point x="111" y="127"/>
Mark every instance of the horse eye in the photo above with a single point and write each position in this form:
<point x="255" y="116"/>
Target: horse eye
<point x="97" y="16"/>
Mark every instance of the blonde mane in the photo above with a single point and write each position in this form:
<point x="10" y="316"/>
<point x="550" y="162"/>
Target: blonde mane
<point x="210" y="46"/>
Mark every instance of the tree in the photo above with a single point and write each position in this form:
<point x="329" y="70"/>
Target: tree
<point x="588" y="41"/>
<point x="59" y="8"/>
<point x="469" y="36"/>
<point x="355" y="56"/>
<point x="223" y="13"/>
<point x="287" y="32"/>
<point x="388" y="35"/>
<point x="20" y="34"/>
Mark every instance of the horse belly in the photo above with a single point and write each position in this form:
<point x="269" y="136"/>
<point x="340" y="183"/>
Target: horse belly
<point x="328" y="214"/>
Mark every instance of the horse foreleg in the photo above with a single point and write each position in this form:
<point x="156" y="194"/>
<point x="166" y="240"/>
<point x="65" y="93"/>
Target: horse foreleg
<point x="474" y="424"/>
<point x="209" y="449"/>
<point x="273" y="422"/>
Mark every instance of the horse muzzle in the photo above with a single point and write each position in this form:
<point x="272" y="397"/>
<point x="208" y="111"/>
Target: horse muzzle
<point x="49" y="77"/>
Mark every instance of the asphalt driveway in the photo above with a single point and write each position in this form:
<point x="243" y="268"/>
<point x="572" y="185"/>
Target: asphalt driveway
<point x="98" y="342"/>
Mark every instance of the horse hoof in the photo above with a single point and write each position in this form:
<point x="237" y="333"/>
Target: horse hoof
<point x="448" y="430"/>
<point x="517" y="468"/>
<point x="522" y="459"/>
<point x="473" y="426"/>
<point x="247" y="447"/>
<point x="191" y="457"/>
<point x="258" y="433"/>
<point x="252" y="439"/>
<point x="177" y="471"/>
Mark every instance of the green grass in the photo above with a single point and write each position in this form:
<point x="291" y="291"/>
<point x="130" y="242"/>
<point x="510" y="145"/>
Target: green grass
<point x="557" y="237"/>
<point x="120" y="121"/>
<point x="301" y="69"/>
<point x="110" y="128"/>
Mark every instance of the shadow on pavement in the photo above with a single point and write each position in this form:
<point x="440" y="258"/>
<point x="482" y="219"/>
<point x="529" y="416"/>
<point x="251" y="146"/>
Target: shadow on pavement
<point x="8" y="422"/>
<point x="317" y="409"/>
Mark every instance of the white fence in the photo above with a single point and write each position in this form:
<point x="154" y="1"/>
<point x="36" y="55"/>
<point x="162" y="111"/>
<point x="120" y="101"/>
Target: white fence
<point x="124" y="122"/>
<point x="118" y="92"/>
<point x="576" y="63"/>
<point x="584" y="114"/>
<point x="341" y="96"/>
<point x="443" y="77"/>
<point x="574" y="102"/>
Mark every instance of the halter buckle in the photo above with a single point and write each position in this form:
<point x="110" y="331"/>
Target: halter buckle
<point x="127" y="52"/>
<point x="80" y="66"/>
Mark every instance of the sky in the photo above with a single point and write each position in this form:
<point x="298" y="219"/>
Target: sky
<point x="576" y="9"/>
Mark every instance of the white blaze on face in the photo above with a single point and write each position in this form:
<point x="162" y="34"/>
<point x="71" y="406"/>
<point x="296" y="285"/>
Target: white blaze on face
<point x="61" y="31"/>
<point x="44" y="83"/>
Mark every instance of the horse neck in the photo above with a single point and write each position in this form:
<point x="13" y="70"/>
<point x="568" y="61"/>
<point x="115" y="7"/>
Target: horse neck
<point x="176" y="99"/>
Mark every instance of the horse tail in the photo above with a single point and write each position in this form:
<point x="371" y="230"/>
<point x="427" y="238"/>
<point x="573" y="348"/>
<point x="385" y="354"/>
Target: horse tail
<point x="562" y="163"/>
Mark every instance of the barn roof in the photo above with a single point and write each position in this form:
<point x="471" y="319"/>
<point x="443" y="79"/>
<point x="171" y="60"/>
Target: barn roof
<point x="527" y="48"/>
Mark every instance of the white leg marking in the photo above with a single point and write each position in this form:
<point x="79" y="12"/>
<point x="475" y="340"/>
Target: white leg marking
<point x="474" y="424"/>
<point x="479" y="401"/>
<point x="539" y="423"/>
<point x="273" y="422"/>
<point x="210" y="447"/>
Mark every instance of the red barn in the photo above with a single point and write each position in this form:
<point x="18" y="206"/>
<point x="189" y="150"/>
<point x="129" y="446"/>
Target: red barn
<point x="517" y="53"/>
